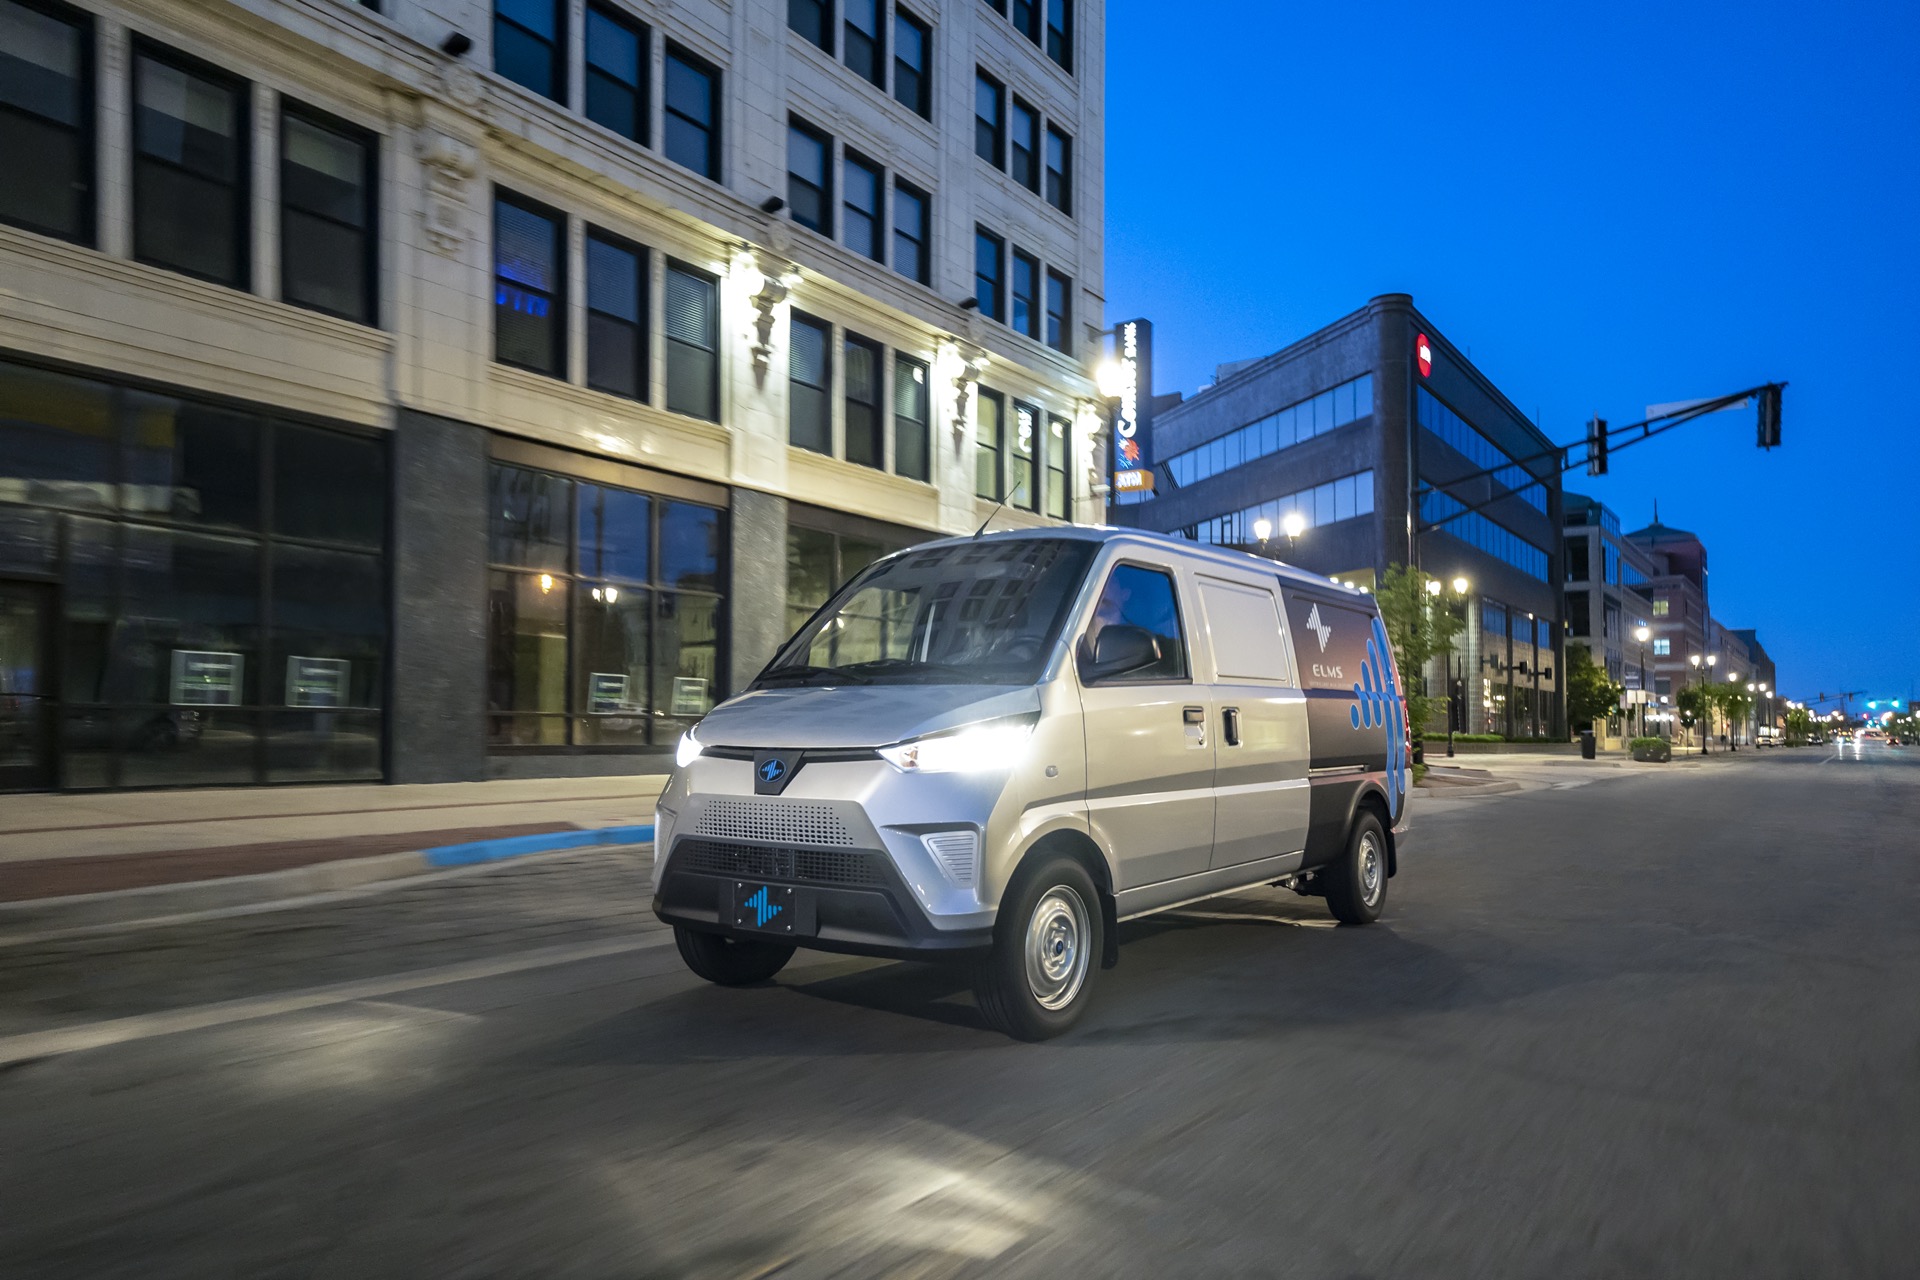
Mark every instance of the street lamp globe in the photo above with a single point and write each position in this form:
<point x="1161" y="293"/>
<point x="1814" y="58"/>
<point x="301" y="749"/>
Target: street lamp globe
<point x="1712" y="658"/>
<point x="1263" y="529"/>
<point x="1641" y="634"/>
<point x="1111" y="377"/>
<point x="1694" y="658"/>
<point x="1293" y="524"/>
<point x="1433" y="586"/>
<point x="1460" y="586"/>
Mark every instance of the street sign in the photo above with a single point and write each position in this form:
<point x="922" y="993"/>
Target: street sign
<point x="1133" y="481"/>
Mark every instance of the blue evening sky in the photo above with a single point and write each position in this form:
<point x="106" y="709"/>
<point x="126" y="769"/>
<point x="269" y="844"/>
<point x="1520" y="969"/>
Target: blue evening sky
<point x="1612" y="206"/>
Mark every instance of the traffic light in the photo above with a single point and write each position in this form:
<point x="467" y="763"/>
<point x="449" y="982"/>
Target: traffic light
<point x="1770" y="416"/>
<point x="1596" y="446"/>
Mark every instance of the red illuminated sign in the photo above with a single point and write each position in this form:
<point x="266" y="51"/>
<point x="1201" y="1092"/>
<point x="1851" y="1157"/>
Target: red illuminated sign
<point x="1423" y="351"/>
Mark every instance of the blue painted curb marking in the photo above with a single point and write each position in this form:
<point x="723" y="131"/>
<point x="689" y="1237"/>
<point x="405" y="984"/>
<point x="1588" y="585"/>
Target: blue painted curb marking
<point x="462" y="855"/>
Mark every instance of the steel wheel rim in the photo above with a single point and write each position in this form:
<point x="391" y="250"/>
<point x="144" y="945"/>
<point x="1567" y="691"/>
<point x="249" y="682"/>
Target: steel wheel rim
<point x="1056" y="948"/>
<point x="1372" y="870"/>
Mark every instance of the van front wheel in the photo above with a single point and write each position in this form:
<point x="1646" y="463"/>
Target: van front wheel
<point x="1357" y="884"/>
<point x="730" y="962"/>
<point x="1034" y="984"/>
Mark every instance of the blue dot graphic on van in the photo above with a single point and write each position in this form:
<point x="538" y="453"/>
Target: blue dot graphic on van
<point x="1376" y="704"/>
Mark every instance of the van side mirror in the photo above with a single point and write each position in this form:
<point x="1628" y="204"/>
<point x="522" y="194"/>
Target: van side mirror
<point x="1117" y="651"/>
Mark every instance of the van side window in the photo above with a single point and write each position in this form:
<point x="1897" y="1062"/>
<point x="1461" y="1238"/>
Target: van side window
<point x="1145" y="598"/>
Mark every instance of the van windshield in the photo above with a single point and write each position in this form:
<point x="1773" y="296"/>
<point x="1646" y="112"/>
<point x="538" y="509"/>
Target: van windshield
<point x="983" y="612"/>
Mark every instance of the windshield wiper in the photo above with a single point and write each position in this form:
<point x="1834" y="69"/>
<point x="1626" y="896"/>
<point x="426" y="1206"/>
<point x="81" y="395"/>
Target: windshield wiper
<point x="805" y="673"/>
<point x="911" y="666"/>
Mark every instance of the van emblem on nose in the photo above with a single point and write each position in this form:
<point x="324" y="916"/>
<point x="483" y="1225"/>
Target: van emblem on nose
<point x="771" y="770"/>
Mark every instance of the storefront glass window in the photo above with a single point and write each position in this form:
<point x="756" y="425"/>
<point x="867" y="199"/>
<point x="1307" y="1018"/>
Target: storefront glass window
<point x="603" y="615"/>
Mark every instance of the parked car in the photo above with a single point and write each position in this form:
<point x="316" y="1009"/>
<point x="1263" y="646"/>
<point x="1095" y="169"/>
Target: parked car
<point x="994" y="749"/>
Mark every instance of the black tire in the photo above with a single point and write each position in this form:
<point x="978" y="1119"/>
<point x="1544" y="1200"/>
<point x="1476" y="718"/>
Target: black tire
<point x="731" y="962"/>
<point x="1068" y="939"/>
<point x="1356" y="885"/>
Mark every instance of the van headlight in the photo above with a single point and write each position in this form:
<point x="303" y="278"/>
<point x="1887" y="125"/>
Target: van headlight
<point x="978" y="748"/>
<point x="687" y="751"/>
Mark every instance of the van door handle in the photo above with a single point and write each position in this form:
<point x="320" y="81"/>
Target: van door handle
<point x="1196" y="715"/>
<point x="1230" y="725"/>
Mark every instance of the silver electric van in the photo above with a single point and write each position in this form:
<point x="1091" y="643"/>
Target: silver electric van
<point x="996" y="748"/>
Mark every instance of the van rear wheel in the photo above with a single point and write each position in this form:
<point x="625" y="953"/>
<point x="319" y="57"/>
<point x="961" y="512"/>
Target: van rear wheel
<point x="1035" y="982"/>
<point x="1356" y="885"/>
<point x="731" y="962"/>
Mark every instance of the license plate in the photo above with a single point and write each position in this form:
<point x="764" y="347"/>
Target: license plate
<point x="764" y="908"/>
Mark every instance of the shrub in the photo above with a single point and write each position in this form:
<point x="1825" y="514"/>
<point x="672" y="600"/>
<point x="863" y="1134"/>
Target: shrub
<point x="1656" y="750"/>
<point x="1479" y="737"/>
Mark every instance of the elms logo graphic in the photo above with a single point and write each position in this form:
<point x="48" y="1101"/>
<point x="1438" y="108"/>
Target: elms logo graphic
<point x="772" y="770"/>
<point x="763" y="908"/>
<point x="1321" y="630"/>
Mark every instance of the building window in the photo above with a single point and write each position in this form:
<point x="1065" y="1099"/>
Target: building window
<point x="1026" y="301"/>
<point x="809" y="186"/>
<point x="860" y="373"/>
<point x="911" y="427"/>
<point x="693" y="113"/>
<point x="1023" y="157"/>
<point x="46" y="119"/>
<point x="1663" y="647"/>
<point x="988" y="433"/>
<point x="1579" y="613"/>
<point x="810" y="384"/>
<point x="912" y="58"/>
<point x="813" y="19"/>
<point x="1059" y="313"/>
<point x="1661" y="607"/>
<point x="618" y="58"/>
<point x="1295" y="424"/>
<point x="529" y="285"/>
<point x="529" y="45"/>
<point x="190" y="189"/>
<point x="1578" y="552"/>
<point x="1467" y="439"/>
<point x="616" y="316"/>
<point x="1059" y="448"/>
<point x="1026" y="18"/>
<point x="989" y="118"/>
<point x="223" y="614"/>
<point x="866" y="50"/>
<point x="818" y="562"/>
<point x="1023" y="485"/>
<point x="1059" y="171"/>
<point x="860" y="208"/>
<point x="1336" y="500"/>
<point x="1060" y="33"/>
<point x="327" y="202"/>
<point x="603" y="613"/>
<point x="910" y="232"/>
<point x="989" y="266"/>
<point x="693" y="342"/>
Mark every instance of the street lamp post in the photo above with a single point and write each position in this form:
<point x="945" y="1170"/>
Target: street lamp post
<point x="1641" y="634"/>
<point x="1460" y="586"/>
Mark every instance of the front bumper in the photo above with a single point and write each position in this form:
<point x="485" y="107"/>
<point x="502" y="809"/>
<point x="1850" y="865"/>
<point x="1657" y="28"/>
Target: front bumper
<point x="854" y="901"/>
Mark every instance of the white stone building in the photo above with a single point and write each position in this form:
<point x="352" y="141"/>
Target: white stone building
<point x="432" y="389"/>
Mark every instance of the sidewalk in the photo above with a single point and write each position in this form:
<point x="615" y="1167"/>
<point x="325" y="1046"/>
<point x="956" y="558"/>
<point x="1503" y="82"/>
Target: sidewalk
<point x="60" y="847"/>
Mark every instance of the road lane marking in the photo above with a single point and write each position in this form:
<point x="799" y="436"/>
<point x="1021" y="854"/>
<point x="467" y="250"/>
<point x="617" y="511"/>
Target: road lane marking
<point x="145" y="1026"/>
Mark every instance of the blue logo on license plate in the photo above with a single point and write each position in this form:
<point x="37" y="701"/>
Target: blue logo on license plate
<point x="763" y="909"/>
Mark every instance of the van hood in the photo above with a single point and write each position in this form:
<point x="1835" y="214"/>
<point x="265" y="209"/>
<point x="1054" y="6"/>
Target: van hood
<point x="843" y="716"/>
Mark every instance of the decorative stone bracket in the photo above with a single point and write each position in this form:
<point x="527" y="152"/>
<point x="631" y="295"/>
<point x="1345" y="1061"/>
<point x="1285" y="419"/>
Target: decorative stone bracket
<point x="777" y="278"/>
<point x="450" y="164"/>
<point x="968" y="362"/>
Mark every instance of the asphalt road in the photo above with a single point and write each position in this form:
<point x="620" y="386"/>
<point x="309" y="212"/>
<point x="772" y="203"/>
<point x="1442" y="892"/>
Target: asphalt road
<point x="1663" y="1022"/>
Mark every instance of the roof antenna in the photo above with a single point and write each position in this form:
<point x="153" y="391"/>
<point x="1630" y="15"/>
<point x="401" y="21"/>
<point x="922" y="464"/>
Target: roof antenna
<point x="996" y="508"/>
<point x="1656" y="511"/>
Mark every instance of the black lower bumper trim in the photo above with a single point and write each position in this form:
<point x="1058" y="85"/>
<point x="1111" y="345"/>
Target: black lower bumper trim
<point x="869" y="922"/>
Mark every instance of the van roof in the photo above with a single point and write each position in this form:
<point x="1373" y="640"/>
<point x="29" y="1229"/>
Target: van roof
<point x="1160" y="541"/>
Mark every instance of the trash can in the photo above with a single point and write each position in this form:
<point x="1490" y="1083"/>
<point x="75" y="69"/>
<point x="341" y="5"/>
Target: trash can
<point x="1586" y="744"/>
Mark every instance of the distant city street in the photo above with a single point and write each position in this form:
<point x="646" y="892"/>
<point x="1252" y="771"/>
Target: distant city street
<point x="1617" y="1020"/>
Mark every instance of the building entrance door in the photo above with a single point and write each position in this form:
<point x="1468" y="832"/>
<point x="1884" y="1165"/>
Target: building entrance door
<point x="26" y="686"/>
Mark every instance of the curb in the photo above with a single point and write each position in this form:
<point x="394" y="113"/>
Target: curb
<point x="133" y="906"/>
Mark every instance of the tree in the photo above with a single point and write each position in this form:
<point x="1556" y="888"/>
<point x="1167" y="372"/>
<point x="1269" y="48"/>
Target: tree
<point x="1799" y="726"/>
<point x="1590" y="694"/>
<point x="1421" y="625"/>
<point x="1732" y="701"/>
<point x="1693" y="703"/>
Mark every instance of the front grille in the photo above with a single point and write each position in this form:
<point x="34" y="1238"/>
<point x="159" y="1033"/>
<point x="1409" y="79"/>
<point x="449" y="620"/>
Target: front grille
<point x="774" y="862"/>
<point x="771" y="822"/>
